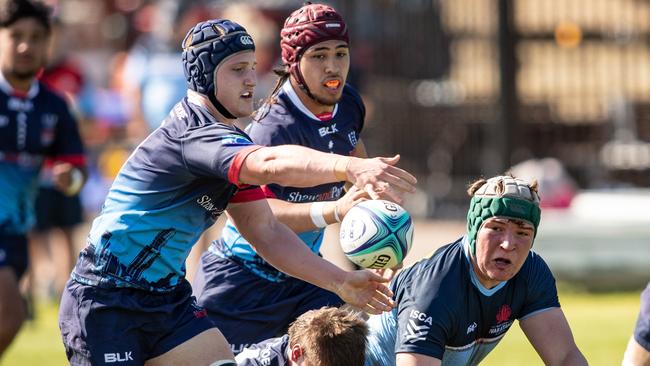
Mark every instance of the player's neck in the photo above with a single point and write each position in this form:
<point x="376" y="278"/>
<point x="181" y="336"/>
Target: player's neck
<point x="19" y="84"/>
<point x="202" y="100"/>
<point x="312" y="105"/>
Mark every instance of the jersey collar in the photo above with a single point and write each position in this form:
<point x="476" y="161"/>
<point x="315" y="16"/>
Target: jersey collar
<point x="484" y="290"/>
<point x="9" y="90"/>
<point x="288" y="90"/>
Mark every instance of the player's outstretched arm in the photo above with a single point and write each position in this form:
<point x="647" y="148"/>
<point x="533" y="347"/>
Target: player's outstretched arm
<point x="298" y="166"/>
<point x="550" y="334"/>
<point x="277" y="244"/>
<point x="297" y="216"/>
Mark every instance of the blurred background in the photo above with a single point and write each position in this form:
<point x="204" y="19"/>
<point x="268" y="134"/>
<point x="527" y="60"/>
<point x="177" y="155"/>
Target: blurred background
<point x="553" y="90"/>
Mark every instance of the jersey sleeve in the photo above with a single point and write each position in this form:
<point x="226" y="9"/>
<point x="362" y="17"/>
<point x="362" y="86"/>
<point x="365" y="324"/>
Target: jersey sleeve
<point x="423" y="320"/>
<point x="268" y="132"/>
<point x="67" y="146"/>
<point x="216" y="151"/>
<point x="541" y="290"/>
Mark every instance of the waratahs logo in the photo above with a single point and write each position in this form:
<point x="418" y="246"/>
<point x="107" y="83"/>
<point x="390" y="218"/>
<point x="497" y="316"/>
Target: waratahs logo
<point x="235" y="140"/>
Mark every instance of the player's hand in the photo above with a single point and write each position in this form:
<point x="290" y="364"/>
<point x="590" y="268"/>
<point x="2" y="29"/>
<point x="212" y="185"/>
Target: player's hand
<point x="351" y="198"/>
<point x="366" y="291"/>
<point x="380" y="178"/>
<point x="63" y="176"/>
<point x="388" y="273"/>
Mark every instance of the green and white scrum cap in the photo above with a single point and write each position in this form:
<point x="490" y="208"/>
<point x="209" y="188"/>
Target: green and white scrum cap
<point x="504" y="196"/>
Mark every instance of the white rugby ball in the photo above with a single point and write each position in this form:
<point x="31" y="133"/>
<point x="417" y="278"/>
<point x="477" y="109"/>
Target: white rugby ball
<point x="376" y="234"/>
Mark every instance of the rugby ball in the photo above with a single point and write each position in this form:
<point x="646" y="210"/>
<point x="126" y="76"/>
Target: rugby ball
<point x="376" y="234"/>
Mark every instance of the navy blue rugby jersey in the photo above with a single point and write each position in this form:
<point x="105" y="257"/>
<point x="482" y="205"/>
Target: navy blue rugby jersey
<point x="173" y="187"/>
<point x="35" y="127"/>
<point x="443" y="311"/>
<point x="288" y="121"/>
<point x="272" y="352"/>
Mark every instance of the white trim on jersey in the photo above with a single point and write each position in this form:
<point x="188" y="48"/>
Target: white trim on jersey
<point x="288" y="89"/>
<point x="9" y="90"/>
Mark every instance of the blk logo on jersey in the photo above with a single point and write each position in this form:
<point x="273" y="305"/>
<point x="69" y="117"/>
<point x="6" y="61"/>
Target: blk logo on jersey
<point x="118" y="357"/>
<point x="352" y="136"/>
<point x="418" y="326"/>
<point x="324" y="131"/>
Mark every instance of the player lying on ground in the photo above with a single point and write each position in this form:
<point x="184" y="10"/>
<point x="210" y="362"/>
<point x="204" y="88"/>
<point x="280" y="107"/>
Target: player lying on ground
<point x="455" y="306"/>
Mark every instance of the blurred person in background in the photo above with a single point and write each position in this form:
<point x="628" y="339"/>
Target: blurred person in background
<point x="312" y="105"/>
<point x="51" y="243"/>
<point x="638" y="348"/>
<point x="323" y="337"/>
<point x="127" y="298"/>
<point x="35" y="125"/>
<point x="454" y="307"/>
<point x="153" y="74"/>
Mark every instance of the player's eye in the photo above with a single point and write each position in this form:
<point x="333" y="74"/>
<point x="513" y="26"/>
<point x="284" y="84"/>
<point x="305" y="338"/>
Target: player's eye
<point x="341" y="54"/>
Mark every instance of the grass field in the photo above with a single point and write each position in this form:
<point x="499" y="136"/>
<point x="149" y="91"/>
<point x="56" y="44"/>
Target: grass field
<point x="602" y="324"/>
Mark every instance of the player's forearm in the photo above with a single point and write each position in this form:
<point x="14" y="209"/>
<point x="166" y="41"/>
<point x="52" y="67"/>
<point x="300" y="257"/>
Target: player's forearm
<point x="284" y="250"/>
<point x="574" y="358"/>
<point x="293" y="165"/>
<point x="298" y="216"/>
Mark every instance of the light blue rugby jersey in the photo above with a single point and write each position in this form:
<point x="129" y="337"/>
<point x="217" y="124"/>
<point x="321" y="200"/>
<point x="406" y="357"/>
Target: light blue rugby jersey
<point x="443" y="311"/>
<point x="172" y="188"/>
<point x="288" y="121"/>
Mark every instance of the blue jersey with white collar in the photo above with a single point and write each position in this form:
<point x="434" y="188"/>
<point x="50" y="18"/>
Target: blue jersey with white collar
<point x="173" y="187"/>
<point x="444" y="312"/>
<point x="288" y="121"/>
<point x="34" y="127"/>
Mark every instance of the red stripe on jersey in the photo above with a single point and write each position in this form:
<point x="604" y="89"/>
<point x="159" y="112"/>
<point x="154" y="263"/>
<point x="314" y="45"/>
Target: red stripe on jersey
<point x="78" y="160"/>
<point x="325" y="116"/>
<point x="267" y="191"/>
<point x="247" y="195"/>
<point x="238" y="161"/>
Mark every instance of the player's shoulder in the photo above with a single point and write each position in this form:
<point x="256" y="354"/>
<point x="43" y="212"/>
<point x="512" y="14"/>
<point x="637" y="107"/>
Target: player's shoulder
<point x="534" y="268"/>
<point x="443" y="269"/>
<point x="352" y="96"/>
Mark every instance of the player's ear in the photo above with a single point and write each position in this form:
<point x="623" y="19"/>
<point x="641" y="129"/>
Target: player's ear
<point x="296" y="352"/>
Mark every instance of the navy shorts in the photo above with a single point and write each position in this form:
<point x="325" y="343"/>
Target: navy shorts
<point x="120" y="326"/>
<point x="249" y="309"/>
<point x="642" y="330"/>
<point x="55" y="209"/>
<point x="13" y="253"/>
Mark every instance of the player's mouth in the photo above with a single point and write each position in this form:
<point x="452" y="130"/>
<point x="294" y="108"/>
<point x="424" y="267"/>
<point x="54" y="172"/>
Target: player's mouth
<point x="502" y="263"/>
<point x="333" y="85"/>
<point x="246" y="95"/>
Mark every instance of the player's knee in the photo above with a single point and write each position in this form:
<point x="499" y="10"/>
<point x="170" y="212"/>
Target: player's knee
<point x="224" y="363"/>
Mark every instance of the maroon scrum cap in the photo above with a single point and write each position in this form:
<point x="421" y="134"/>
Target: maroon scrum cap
<point x="311" y="24"/>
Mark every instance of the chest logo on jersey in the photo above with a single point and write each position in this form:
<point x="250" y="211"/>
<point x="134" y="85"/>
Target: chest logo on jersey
<point x="48" y="121"/>
<point x="335" y="193"/>
<point x="206" y="202"/>
<point x="418" y="326"/>
<point x="503" y="320"/>
<point x="324" y="131"/>
<point x="20" y="105"/>
<point x="352" y="136"/>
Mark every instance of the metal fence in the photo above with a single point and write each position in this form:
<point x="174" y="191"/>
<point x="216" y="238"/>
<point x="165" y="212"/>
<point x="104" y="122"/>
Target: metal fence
<point x="467" y="88"/>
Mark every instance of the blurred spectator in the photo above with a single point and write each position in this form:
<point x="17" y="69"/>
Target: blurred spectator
<point x="153" y="75"/>
<point x="556" y="187"/>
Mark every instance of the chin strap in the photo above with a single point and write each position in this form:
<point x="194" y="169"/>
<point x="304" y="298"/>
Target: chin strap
<point x="224" y="112"/>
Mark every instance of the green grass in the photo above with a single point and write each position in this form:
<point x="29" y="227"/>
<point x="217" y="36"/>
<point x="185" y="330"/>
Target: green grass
<point x="601" y="323"/>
